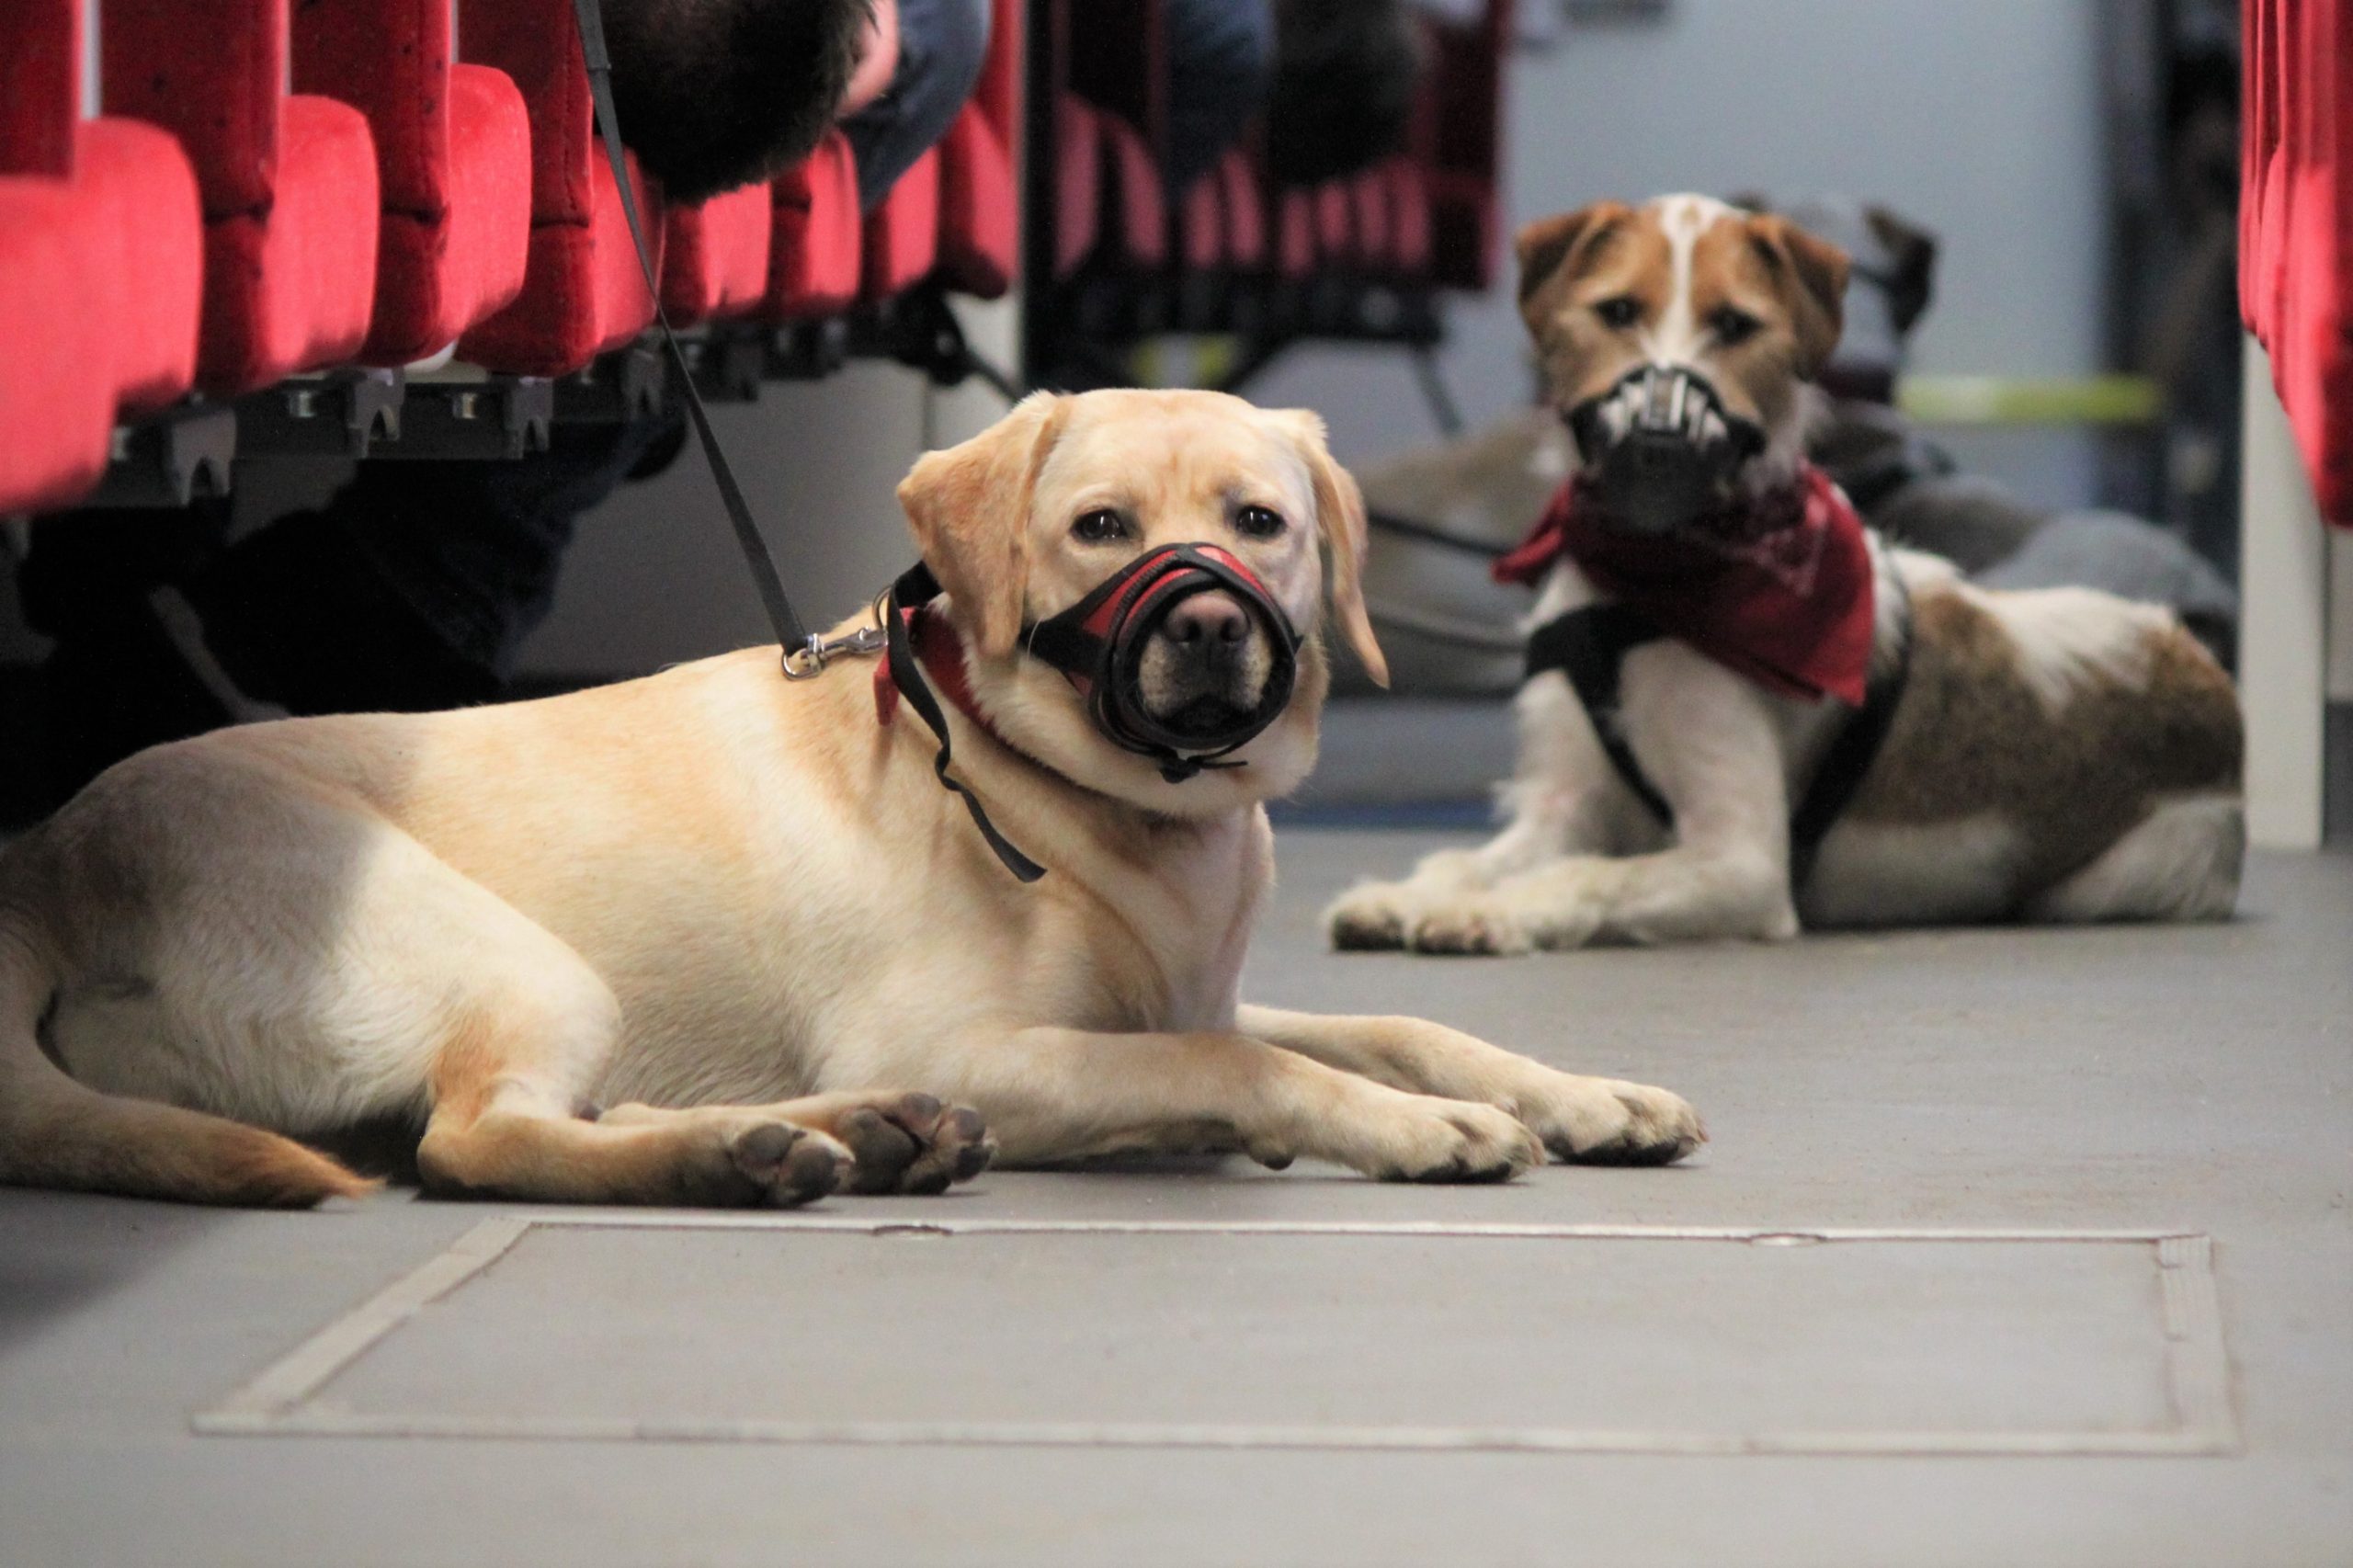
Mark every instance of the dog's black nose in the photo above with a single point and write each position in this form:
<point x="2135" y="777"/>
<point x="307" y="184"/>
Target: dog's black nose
<point x="1206" y="619"/>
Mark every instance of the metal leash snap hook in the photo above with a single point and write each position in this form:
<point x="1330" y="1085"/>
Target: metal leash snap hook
<point x="808" y="661"/>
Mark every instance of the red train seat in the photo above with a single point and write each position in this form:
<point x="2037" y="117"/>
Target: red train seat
<point x="135" y="206"/>
<point x="583" y="292"/>
<point x="815" y="237"/>
<point x="453" y="157"/>
<point x="2296" y="224"/>
<point x="901" y="235"/>
<point x="978" y="236"/>
<point x="979" y="232"/>
<point x="56" y="394"/>
<point x="715" y="260"/>
<point x="1078" y="184"/>
<point x="1139" y="214"/>
<point x="1461" y="147"/>
<point x="288" y="183"/>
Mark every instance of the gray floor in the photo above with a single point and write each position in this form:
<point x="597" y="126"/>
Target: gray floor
<point x="2192" y="1081"/>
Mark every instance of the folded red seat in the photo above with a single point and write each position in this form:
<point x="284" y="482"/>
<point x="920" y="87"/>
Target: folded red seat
<point x="1139" y="212"/>
<point x="1463" y="146"/>
<point x="453" y="158"/>
<point x="101" y="265"/>
<point x="814" y="240"/>
<point x="1369" y="215"/>
<point x="582" y="293"/>
<point x="715" y="260"/>
<point x="1078" y="183"/>
<point x="288" y="183"/>
<point x="978" y="237"/>
<point x="135" y="198"/>
<point x="1295" y="235"/>
<point x="2296" y="215"/>
<point x="56" y="386"/>
<point x="1335" y="225"/>
<point x="1204" y="232"/>
<point x="979" y="232"/>
<point x="901" y="235"/>
<point x="1408" y="190"/>
<point x="1245" y="211"/>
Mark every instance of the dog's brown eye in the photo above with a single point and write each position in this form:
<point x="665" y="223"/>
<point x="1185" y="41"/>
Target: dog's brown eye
<point x="1619" y="313"/>
<point x="1732" y="324"/>
<point x="1099" y="528"/>
<point x="1258" y="522"/>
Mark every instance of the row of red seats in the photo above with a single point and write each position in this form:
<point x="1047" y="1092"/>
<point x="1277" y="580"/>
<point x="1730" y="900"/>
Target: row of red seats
<point x="214" y="232"/>
<point x="2296" y="223"/>
<point x="1427" y="215"/>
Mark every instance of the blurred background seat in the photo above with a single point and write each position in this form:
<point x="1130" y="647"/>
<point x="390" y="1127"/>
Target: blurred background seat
<point x="453" y="159"/>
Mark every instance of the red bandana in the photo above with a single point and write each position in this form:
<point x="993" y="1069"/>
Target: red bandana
<point x="1781" y="594"/>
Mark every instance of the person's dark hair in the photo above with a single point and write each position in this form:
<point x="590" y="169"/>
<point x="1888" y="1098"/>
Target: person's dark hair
<point x="715" y="93"/>
<point x="1345" y="74"/>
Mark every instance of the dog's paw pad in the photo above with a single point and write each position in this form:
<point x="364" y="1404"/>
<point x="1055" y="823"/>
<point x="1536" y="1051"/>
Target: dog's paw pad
<point x="1468" y="1143"/>
<point x="1469" y="929"/>
<point x="1366" y="919"/>
<point x="913" y="1143"/>
<point x="784" y="1165"/>
<point x="1656" y="1128"/>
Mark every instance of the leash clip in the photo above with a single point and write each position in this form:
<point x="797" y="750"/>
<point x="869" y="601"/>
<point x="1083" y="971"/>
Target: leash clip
<point x="808" y="661"/>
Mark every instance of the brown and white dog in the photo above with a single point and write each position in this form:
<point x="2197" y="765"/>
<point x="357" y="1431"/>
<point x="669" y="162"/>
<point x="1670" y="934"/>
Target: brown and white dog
<point x="2057" y="755"/>
<point x="742" y="911"/>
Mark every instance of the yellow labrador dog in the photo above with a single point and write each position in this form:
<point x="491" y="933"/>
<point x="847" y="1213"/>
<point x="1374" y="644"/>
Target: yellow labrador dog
<point x="743" y="914"/>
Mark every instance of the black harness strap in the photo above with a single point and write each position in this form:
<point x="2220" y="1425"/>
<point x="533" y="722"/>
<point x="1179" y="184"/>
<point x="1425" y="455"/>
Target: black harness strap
<point x="1589" y="646"/>
<point x="789" y="630"/>
<point x="1854" y="749"/>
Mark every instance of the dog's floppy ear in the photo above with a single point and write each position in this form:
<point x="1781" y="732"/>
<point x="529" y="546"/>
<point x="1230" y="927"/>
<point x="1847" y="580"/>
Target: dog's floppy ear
<point x="970" y="509"/>
<point x="1542" y="247"/>
<point x="1912" y="271"/>
<point x="1340" y="519"/>
<point x="1813" y="276"/>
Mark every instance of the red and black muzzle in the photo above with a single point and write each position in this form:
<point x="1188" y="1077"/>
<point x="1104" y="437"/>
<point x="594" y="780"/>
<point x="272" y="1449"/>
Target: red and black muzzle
<point x="1100" y="645"/>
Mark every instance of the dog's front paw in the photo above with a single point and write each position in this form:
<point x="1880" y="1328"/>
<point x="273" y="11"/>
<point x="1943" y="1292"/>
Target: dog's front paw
<point x="1369" y="917"/>
<point x="764" y="1163"/>
<point x="913" y="1143"/>
<point x="1473" y="923"/>
<point x="1607" y="1121"/>
<point x="1429" y="1139"/>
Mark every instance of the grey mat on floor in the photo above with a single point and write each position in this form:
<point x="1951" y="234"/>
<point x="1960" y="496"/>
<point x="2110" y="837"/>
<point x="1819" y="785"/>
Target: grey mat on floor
<point x="2188" y="1081"/>
<point x="1257" y="1337"/>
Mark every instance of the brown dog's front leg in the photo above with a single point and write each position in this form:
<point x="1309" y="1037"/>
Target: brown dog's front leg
<point x="1592" y="1120"/>
<point x="1052" y="1095"/>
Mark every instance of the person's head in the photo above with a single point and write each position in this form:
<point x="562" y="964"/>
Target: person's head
<point x="1030" y="519"/>
<point x="716" y="94"/>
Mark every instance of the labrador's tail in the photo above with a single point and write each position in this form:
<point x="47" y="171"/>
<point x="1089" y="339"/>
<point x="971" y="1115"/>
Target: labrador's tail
<point x="57" y="1132"/>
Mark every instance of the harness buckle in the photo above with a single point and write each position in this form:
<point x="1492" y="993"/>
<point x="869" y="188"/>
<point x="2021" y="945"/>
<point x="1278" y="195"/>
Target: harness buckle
<point x="809" y="661"/>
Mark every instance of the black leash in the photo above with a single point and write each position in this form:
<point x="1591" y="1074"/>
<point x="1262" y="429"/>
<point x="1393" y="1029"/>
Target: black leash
<point x="805" y="655"/>
<point x="794" y="636"/>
